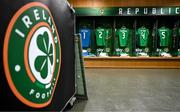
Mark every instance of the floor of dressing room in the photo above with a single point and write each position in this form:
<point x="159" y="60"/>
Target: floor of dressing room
<point x="130" y="90"/>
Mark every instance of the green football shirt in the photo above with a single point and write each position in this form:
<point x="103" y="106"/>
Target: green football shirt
<point x="100" y="36"/>
<point x="143" y="34"/>
<point x="164" y="34"/>
<point x="123" y="34"/>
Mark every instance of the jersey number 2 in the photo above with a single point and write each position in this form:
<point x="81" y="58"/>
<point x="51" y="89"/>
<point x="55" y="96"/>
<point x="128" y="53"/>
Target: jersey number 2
<point x="100" y="34"/>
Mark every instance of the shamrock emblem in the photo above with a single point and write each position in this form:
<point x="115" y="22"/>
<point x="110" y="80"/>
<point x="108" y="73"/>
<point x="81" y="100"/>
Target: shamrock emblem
<point x="44" y="61"/>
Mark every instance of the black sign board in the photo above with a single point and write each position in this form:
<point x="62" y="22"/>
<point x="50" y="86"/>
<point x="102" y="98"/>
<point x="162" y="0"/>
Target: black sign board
<point x="37" y="55"/>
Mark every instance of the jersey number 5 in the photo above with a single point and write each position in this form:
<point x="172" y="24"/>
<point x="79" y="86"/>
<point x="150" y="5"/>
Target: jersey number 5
<point x="163" y="35"/>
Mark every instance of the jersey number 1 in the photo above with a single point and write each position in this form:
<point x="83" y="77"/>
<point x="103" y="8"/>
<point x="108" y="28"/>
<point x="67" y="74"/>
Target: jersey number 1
<point x="84" y="35"/>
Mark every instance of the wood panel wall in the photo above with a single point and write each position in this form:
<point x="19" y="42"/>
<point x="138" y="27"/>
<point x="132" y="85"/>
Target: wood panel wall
<point x="123" y="3"/>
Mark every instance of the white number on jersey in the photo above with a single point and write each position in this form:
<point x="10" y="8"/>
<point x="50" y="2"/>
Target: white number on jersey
<point x="163" y="35"/>
<point x="143" y="34"/>
<point x="123" y="34"/>
<point x="100" y="34"/>
<point x="84" y="35"/>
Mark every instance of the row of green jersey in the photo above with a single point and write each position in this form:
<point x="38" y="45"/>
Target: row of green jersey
<point x="123" y="33"/>
<point x="103" y="34"/>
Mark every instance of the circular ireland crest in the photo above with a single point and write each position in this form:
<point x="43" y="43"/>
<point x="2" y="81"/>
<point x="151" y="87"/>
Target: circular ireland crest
<point x="146" y="50"/>
<point x="127" y="50"/>
<point x="166" y="49"/>
<point x="32" y="55"/>
<point x="101" y="11"/>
